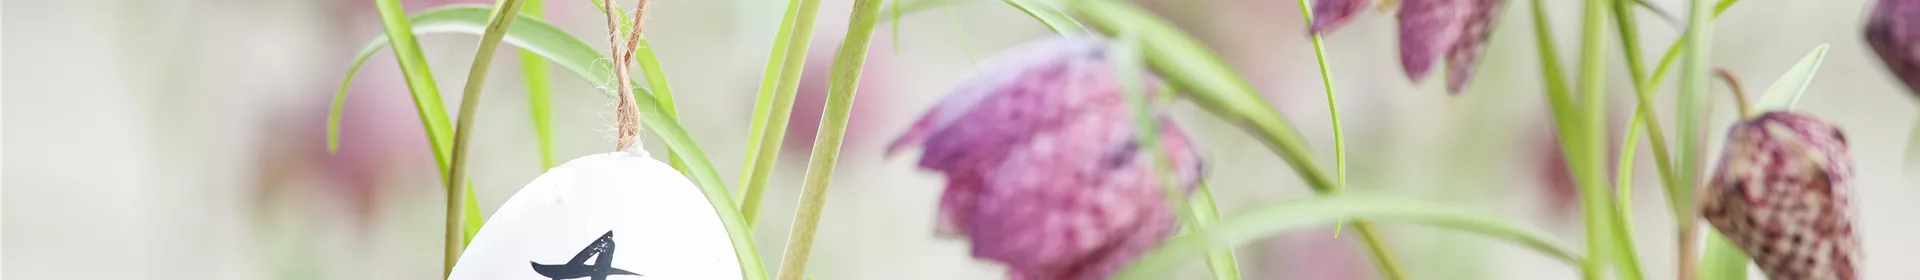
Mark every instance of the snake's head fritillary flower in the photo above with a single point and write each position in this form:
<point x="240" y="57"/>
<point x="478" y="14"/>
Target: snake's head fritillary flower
<point x="1783" y="193"/>
<point x="1044" y="170"/>
<point x="1894" y="32"/>
<point x="1456" y="29"/>
<point x="1330" y="15"/>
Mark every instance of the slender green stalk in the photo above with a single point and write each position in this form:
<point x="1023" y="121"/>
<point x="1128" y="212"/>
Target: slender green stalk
<point x="539" y="89"/>
<point x="1589" y="159"/>
<point x="763" y="102"/>
<point x="469" y="108"/>
<point x="1692" y="98"/>
<point x="1644" y="88"/>
<point x="1643" y="118"/>
<point x="1624" y="252"/>
<point x="847" y="66"/>
<point x="426" y="94"/>
<point x="1333" y="107"/>
<point x="770" y="128"/>
<point x="1558" y="96"/>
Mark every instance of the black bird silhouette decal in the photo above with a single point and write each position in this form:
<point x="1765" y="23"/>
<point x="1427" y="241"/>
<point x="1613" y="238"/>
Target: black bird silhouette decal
<point x="578" y="268"/>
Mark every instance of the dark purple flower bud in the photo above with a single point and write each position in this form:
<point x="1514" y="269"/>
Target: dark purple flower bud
<point x="1458" y="29"/>
<point x="1783" y="194"/>
<point x="1330" y="15"/>
<point x="1044" y="173"/>
<point x="1894" y="32"/>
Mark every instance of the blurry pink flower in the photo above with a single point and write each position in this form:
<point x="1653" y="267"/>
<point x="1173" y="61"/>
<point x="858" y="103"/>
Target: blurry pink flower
<point x="1043" y="169"/>
<point x="1330" y="15"/>
<point x="1458" y="29"/>
<point x="381" y="145"/>
<point x="1784" y="194"/>
<point x="1315" y="254"/>
<point x="1894" y="32"/>
<point x="811" y="98"/>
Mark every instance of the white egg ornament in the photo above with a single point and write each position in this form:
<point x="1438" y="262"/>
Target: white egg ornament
<point x="619" y="215"/>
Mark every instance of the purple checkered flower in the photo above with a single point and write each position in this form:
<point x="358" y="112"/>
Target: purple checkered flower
<point x="1330" y="15"/>
<point x="1894" y="32"/>
<point x="1044" y="173"/>
<point x="1457" y="29"/>
<point x="1783" y="193"/>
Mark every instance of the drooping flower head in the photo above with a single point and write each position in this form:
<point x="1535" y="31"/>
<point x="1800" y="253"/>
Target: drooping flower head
<point x="1894" y="32"/>
<point x="1783" y="193"/>
<point x="1044" y="173"/>
<point x="1457" y="29"/>
<point x="1330" y="15"/>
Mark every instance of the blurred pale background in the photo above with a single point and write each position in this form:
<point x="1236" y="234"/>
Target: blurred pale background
<point x="182" y="139"/>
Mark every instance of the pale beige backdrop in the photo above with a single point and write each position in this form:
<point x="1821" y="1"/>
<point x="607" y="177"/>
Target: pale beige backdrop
<point x="178" y="139"/>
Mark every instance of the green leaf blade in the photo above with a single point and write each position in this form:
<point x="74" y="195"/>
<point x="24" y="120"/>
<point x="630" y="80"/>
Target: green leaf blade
<point x="1786" y="90"/>
<point x="1723" y="260"/>
<point x="1276" y="218"/>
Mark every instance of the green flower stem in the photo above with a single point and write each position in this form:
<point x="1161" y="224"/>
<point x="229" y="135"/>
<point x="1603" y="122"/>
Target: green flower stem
<point x="503" y="16"/>
<point x="1333" y="107"/>
<point x="1644" y="88"/>
<point x="774" y="105"/>
<point x="1691" y="109"/>
<point x="1189" y="66"/>
<point x="847" y="66"/>
<point x="1679" y="190"/>
<point x="1129" y="64"/>
<point x="1643" y="118"/>
<point x="1589" y="159"/>
<point x="539" y="89"/>
<point x="1623" y="204"/>
<point x="1582" y="130"/>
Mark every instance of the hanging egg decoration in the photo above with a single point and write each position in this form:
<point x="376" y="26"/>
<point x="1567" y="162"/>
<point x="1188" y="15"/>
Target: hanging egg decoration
<point x="603" y="216"/>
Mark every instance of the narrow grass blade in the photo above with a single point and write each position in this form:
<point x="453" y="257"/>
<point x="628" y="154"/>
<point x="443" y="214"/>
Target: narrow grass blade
<point x="426" y="100"/>
<point x="1786" y="90"/>
<point x="1623" y="250"/>
<point x="847" y="66"/>
<point x="1691" y="107"/>
<point x="1333" y="107"/>
<point x="1046" y="12"/>
<point x="774" y="105"/>
<point x="1279" y="217"/>
<point x="539" y="90"/>
<point x="1049" y="15"/>
<point x="578" y="58"/>
<point x="503" y="15"/>
<point x="1589" y="160"/>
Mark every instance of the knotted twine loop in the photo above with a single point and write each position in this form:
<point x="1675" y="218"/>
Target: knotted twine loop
<point x="627" y="115"/>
